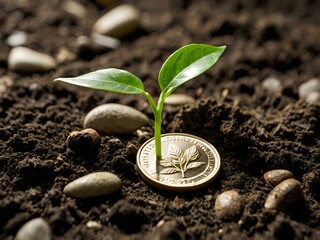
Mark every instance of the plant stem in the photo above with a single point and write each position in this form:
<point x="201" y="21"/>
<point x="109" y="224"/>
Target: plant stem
<point x="157" y="127"/>
<point x="157" y="112"/>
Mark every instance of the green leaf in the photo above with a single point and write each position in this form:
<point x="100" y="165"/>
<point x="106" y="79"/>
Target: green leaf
<point x="111" y="79"/>
<point x="186" y="63"/>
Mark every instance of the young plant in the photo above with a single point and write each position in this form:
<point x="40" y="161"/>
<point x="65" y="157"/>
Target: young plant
<point x="183" y="65"/>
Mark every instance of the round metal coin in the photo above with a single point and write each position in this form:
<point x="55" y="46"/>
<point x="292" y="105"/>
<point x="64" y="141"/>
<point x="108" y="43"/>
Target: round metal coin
<point x="187" y="163"/>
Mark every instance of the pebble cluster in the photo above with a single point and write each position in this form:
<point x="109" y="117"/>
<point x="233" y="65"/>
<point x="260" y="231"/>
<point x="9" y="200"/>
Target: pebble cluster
<point x="118" y="23"/>
<point x="287" y="191"/>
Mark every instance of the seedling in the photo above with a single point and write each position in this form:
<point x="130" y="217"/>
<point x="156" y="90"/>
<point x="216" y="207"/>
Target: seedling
<point x="183" y="65"/>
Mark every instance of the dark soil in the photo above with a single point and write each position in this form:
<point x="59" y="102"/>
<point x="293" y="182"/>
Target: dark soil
<point x="253" y="130"/>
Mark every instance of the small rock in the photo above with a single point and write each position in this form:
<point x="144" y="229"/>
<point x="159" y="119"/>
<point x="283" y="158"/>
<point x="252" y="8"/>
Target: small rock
<point x="274" y="177"/>
<point x="17" y="38"/>
<point x="272" y="85"/>
<point x="93" y="185"/>
<point x="107" y="42"/>
<point x="93" y="224"/>
<point x="64" y="55"/>
<point x="85" y="142"/>
<point x="179" y="99"/>
<point x="228" y="205"/>
<point x="35" y="229"/>
<point x="105" y="3"/>
<point x="313" y="97"/>
<point x="126" y="216"/>
<point x="25" y="60"/>
<point x="284" y="195"/>
<point x="313" y="85"/>
<point x="74" y="8"/>
<point x="5" y="83"/>
<point x="118" y="22"/>
<point x="115" y="118"/>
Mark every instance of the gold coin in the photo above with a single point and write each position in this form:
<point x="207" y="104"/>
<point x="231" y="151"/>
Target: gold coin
<point x="187" y="163"/>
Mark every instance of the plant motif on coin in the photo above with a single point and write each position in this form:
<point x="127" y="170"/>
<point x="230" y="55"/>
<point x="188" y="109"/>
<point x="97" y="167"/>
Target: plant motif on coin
<point x="183" y="65"/>
<point x="180" y="161"/>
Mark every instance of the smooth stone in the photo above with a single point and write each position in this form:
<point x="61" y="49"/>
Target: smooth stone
<point x="25" y="60"/>
<point x="274" y="177"/>
<point x="179" y="99"/>
<point x="272" y="84"/>
<point x="17" y="39"/>
<point x="313" y="97"/>
<point x="313" y="85"/>
<point x="105" y="41"/>
<point x="35" y="229"/>
<point x="228" y="205"/>
<point x="113" y="118"/>
<point x="284" y="195"/>
<point x="93" y="185"/>
<point x="93" y="224"/>
<point x="74" y="8"/>
<point x="118" y="22"/>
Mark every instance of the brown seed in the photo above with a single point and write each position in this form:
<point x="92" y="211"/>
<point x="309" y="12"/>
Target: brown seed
<point x="228" y="205"/>
<point x="84" y="142"/>
<point x="274" y="177"/>
<point x="284" y="195"/>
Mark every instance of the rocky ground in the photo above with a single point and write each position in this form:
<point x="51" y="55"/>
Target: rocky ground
<point x="259" y="106"/>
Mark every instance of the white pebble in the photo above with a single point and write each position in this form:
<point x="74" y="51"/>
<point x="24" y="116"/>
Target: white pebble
<point x="93" y="224"/>
<point x="313" y="97"/>
<point x="313" y="85"/>
<point x="272" y="85"/>
<point x="74" y="8"/>
<point x="35" y="229"/>
<point x="115" y="118"/>
<point x="25" y="60"/>
<point x="93" y="185"/>
<point x="105" y="41"/>
<point x="179" y="99"/>
<point x="17" y="39"/>
<point x="118" y="22"/>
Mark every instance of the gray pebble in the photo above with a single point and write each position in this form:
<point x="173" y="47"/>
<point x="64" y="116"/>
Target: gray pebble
<point x="35" y="229"/>
<point x="115" y="118"/>
<point x="313" y="85"/>
<point x="228" y="205"/>
<point x="284" y="195"/>
<point x="93" y="185"/>
<point x="25" y="60"/>
<point x="272" y="85"/>
<point x="17" y="39"/>
<point x="179" y="99"/>
<point x="274" y="177"/>
<point x="118" y="22"/>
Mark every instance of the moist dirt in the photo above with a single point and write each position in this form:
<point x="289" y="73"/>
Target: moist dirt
<point x="253" y="129"/>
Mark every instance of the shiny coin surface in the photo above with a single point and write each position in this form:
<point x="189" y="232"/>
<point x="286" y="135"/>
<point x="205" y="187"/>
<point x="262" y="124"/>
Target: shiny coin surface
<point x="188" y="162"/>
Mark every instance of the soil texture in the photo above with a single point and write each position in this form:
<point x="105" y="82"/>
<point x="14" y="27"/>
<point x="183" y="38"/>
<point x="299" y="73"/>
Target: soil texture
<point x="253" y="129"/>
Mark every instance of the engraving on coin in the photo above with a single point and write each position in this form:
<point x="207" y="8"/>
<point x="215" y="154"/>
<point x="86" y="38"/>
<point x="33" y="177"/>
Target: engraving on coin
<point x="188" y="162"/>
